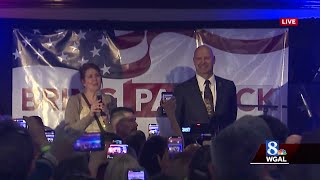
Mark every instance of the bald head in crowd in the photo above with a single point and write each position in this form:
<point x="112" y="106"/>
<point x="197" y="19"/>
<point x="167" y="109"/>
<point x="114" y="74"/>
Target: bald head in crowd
<point x="235" y="147"/>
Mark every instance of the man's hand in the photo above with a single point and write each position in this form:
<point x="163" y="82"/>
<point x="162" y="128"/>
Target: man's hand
<point x="62" y="145"/>
<point x="36" y="130"/>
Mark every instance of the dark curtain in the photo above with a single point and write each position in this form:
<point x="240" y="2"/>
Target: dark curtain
<point x="304" y="58"/>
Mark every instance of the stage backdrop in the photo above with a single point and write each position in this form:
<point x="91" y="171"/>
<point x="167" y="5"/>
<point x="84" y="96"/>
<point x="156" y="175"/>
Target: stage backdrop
<point x="138" y="65"/>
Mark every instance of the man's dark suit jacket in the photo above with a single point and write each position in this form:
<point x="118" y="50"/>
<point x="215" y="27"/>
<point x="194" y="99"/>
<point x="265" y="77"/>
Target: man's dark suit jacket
<point x="190" y="108"/>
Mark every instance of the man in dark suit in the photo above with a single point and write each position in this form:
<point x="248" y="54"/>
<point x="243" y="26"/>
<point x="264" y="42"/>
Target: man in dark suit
<point x="206" y="98"/>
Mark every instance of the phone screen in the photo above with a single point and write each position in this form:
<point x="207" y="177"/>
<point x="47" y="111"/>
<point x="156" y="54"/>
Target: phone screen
<point x="21" y="122"/>
<point x="154" y="130"/>
<point x="166" y="96"/>
<point x="135" y="175"/>
<point x="50" y="135"/>
<point x="89" y="142"/>
<point x="117" y="141"/>
<point x="186" y="129"/>
<point x="115" y="149"/>
<point x="175" y="144"/>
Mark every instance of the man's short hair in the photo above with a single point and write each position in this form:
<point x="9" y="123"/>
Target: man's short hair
<point x="16" y="152"/>
<point x="117" y="110"/>
<point x="235" y="147"/>
<point x="118" y="113"/>
<point x="279" y="131"/>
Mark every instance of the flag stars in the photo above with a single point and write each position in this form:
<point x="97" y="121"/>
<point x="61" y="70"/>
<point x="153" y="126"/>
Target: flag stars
<point x="17" y="54"/>
<point x="105" y="69"/>
<point x="63" y="57"/>
<point x="83" y="61"/>
<point x="26" y="41"/>
<point x="49" y="43"/>
<point x="74" y="47"/>
<point x="40" y="53"/>
<point x="82" y="35"/>
<point x="95" y="52"/>
<point x="103" y="41"/>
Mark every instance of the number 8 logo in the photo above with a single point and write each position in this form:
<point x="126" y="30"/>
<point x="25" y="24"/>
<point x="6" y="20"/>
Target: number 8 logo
<point x="272" y="150"/>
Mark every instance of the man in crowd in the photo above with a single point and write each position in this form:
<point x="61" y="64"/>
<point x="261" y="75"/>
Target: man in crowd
<point x="123" y="121"/>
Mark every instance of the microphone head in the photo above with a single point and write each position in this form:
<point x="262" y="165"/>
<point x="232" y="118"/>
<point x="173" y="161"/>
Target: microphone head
<point x="99" y="95"/>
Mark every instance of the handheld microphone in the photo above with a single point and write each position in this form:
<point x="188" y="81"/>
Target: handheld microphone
<point x="99" y="97"/>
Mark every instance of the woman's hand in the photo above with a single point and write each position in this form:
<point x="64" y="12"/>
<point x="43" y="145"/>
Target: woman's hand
<point x="96" y="107"/>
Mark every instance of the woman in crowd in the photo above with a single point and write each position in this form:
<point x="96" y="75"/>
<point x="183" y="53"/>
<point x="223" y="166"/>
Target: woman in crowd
<point x="90" y="109"/>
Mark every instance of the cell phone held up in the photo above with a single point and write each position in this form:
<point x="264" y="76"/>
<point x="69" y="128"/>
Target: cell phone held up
<point x="89" y="142"/>
<point x="175" y="145"/>
<point x="153" y="130"/>
<point x="164" y="97"/>
<point x="116" y="149"/>
<point x="50" y="133"/>
<point x="21" y="122"/>
<point x="136" y="174"/>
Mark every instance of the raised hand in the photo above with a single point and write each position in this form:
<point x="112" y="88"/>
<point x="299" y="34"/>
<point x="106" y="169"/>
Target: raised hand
<point x="36" y="130"/>
<point x="169" y="105"/>
<point x="62" y="145"/>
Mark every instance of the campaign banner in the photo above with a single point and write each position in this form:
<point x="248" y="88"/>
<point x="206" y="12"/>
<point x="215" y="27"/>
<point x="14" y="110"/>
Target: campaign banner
<point x="137" y="66"/>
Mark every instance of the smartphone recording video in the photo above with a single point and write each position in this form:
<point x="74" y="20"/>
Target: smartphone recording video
<point x="89" y="142"/>
<point x="165" y="96"/>
<point x="115" y="149"/>
<point x="49" y="135"/>
<point x="21" y="122"/>
<point x="175" y="144"/>
<point x="136" y="174"/>
<point x="153" y="130"/>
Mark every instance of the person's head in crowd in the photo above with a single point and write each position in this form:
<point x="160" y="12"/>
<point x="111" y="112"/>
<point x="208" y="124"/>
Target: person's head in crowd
<point x="293" y="139"/>
<point x="192" y="148"/>
<point x="90" y="77"/>
<point x="179" y="165"/>
<point x="74" y="166"/>
<point x="204" y="61"/>
<point x="234" y="147"/>
<point x="16" y="151"/>
<point x="123" y="121"/>
<point x="279" y="130"/>
<point x="304" y="171"/>
<point x="118" y="167"/>
<point x="136" y="140"/>
<point x="200" y="163"/>
<point x="154" y="155"/>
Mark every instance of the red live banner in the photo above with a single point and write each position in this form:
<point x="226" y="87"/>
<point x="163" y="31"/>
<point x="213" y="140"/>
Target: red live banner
<point x="288" y="21"/>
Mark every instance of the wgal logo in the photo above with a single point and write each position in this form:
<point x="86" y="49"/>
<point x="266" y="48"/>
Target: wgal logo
<point x="273" y="152"/>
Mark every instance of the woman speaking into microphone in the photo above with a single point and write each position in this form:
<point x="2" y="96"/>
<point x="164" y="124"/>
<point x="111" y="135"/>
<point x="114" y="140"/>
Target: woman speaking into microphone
<point x="89" y="110"/>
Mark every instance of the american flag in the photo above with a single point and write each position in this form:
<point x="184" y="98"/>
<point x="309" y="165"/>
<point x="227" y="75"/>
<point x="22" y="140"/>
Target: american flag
<point x="72" y="48"/>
